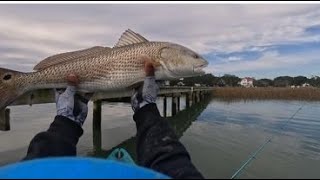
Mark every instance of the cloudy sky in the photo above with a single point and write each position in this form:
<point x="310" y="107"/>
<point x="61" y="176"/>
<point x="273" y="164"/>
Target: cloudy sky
<point x="245" y="40"/>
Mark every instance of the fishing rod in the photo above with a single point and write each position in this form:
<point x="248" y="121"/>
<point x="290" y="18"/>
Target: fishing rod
<point x="260" y="148"/>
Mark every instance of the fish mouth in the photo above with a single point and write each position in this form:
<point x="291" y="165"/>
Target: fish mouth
<point x="196" y="70"/>
<point x="199" y="68"/>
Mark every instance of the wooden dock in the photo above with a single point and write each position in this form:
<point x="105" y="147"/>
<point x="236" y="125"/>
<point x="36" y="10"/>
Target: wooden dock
<point x="193" y="95"/>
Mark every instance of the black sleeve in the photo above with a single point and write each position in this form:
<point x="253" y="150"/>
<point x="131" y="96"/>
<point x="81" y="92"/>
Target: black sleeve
<point x="59" y="140"/>
<point x="158" y="147"/>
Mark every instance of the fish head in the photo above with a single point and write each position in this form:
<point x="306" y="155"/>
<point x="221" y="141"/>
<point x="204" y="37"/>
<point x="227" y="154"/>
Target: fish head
<point x="177" y="61"/>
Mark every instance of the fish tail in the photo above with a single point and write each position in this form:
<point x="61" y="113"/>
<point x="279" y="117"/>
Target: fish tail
<point x="11" y="86"/>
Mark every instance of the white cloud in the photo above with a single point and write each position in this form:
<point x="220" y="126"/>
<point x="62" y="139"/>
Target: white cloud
<point x="257" y="48"/>
<point x="232" y="59"/>
<point x="50" y="29"/>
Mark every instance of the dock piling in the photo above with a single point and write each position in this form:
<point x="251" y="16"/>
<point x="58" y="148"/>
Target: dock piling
<point x="5" y="119"/>
<point x="164" y="106"/>
<point x="96" y="125"/>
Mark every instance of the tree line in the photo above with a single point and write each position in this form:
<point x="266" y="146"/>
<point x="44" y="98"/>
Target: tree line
<point x="233" y="81"/>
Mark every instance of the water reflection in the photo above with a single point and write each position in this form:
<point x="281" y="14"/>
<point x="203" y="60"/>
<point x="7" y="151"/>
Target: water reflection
<point x="180" y="123"/>
<point x="218" y="135"/>
<point x="228" y="132"/>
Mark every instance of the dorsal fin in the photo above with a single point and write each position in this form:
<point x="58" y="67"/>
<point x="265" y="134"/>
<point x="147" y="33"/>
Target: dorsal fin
<point x="68" y="56"/>
<point x="130" y="37"/>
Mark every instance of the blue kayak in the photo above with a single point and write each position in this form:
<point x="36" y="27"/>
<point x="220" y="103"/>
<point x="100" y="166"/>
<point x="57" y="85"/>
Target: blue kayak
<point x="78" y="168"/>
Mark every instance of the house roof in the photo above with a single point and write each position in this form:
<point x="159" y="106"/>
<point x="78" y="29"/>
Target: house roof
<point x="248" y="78"/>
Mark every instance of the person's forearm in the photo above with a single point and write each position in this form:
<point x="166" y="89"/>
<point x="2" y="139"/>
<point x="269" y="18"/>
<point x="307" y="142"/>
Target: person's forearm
<point x="158" y="147"/>
<point x="59" y="140"/>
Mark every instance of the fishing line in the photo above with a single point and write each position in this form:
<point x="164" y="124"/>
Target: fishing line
<point x="260" y="148"/>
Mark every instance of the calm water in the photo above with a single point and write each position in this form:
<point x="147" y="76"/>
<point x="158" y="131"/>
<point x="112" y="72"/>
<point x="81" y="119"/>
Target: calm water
<point x="219" y="135"/>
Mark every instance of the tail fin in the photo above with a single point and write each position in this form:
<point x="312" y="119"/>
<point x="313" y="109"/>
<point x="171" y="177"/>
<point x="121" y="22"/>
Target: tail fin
<point x="11" y="86"/>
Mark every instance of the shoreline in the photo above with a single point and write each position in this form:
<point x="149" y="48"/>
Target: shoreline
<point x="267" y="93"/>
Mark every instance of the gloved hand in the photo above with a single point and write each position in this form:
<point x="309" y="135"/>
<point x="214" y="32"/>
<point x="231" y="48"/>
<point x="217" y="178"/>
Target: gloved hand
<point x="148" y="93"/>
<point x="72" y="105"/>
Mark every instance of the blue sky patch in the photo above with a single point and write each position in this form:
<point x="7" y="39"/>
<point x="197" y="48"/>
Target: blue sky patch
<point x="313" y="29"/>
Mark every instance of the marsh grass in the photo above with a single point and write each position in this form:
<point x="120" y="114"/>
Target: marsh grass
<point x="272" y="93"/>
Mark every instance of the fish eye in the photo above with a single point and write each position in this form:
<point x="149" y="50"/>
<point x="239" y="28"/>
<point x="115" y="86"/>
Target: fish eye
<point x="7" y="77"/>
<point x="196" y="56"/>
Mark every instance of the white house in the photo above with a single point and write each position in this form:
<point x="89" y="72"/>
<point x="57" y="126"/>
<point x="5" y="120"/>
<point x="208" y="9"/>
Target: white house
<point x="247" y="82"/>
<point x="305" y="85"/>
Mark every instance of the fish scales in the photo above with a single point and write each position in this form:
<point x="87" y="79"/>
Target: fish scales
<point x="102" y="68"/>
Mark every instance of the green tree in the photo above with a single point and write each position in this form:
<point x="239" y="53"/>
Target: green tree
<point x="263" y="83"/>
<point x="283" y="81"/>
<point x="299" y="80"/>
<point x="231" y="80"/>
<point x="314" y="81"/>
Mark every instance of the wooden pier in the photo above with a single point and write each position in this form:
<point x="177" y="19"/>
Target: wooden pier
<point x="193" y="95"/>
